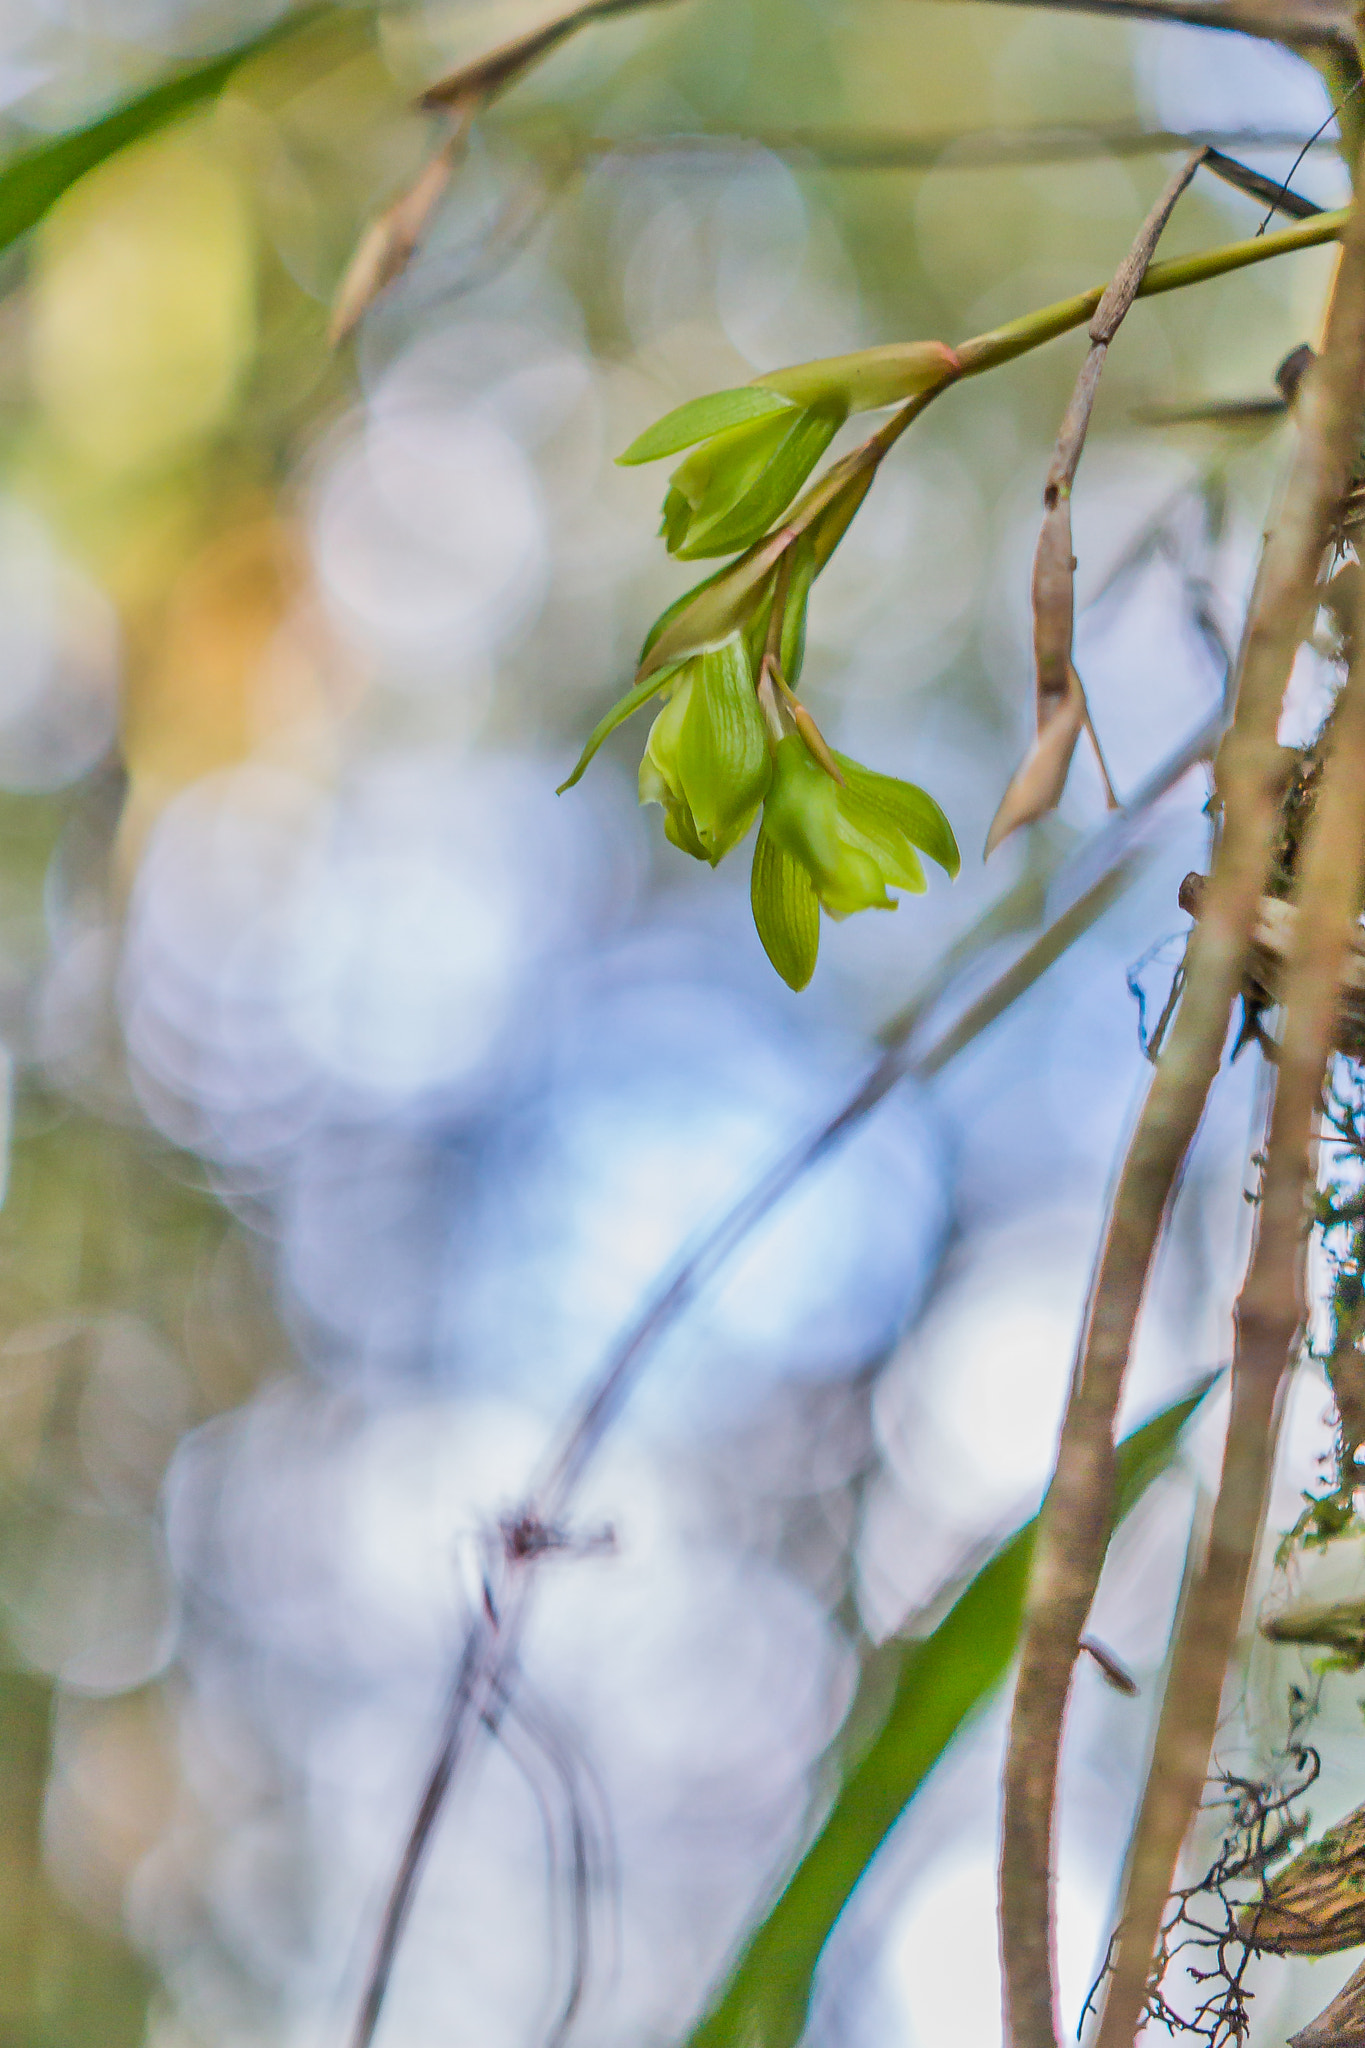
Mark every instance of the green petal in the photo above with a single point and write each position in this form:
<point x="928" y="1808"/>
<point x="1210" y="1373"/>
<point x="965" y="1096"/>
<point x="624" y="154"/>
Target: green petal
<point x="862" y="825"/>
<point x="786" y="913"/>
<point x="792" y="653"/>
<point x="624" y="708"/>
<point x="912" y="810"/>
<point x="724" y="765"/>
<point x="678" y="825"/>
<point x="802" y="814"/>
<point x="724" y="525"/>
<point x="700" y="418"/>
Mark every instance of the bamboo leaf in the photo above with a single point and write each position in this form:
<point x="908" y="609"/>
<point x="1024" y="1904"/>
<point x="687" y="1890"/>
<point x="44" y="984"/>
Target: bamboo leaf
<point x="35" y="180"/>
<point x="700" y="418"/>
<point x="943" y="1679"/>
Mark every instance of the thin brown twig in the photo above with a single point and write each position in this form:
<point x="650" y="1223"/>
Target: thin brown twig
<point x="1302" y="24"/>
<point x="497" y="69"/>
<point x="1248" y="778"/>
<point x="889" y="149"/>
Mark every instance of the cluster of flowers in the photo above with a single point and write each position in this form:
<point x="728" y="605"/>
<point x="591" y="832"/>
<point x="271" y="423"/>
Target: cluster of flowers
<point x="732" y="738"/>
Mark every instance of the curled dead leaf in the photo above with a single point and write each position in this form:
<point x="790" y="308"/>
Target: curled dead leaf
<point x="1036" y="786"/>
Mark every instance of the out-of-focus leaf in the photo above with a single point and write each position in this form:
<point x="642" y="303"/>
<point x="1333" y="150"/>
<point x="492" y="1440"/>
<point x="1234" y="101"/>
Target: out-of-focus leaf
<point x="1308" y="24"/>
<point x="61" y="1979"/>
<point x="35" y="180"/>
<point x="941" y="1681"/>
<point x="1216" y="412"/>
<point x="389" y="243"/>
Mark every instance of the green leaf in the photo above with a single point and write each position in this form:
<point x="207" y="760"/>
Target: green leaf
<point x="699" y="419"/>
<point x="35" y="180"/>
<point x="624" y="707"/>
<point x="910" y="809"/>
<point x="943" y="1678"/>
<point x="786" y="912"/>
<point x="743" y="519"/>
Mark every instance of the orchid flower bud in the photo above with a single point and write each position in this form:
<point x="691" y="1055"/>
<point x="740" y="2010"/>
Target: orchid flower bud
<point x="837" y="846"/>
<point x="753" y="448"/>
<point x="751" y="452"/>
<point x="707" y="760"/>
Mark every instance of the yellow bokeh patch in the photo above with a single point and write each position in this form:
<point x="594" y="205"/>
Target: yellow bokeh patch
<point x="143" y="317"/>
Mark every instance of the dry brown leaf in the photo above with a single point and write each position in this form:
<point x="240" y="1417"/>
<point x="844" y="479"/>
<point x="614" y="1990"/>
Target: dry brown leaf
<point x="1062" y="711"/>
<point x="1037" y="784"/>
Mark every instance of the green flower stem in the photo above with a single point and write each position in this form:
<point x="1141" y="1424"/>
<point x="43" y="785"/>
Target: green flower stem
<point x="917" y="370"/>
<point x="869" y="378"/>
<point x="1017" y="337"/>
<point x="723" y="604"/>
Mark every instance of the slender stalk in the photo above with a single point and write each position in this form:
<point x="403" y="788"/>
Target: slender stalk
<point x="1248" y="778"/>
<point x="1302" y="24"/>
<point x="896" y="370"/>
<point x="890" y="149"/>
<point x="1017" y="337"/>
<point x="1269" y="1320"/>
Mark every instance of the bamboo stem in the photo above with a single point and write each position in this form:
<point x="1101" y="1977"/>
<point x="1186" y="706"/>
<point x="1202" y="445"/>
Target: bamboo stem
<point x="1248" y="776"/>
<point x="1269" y="1318"/>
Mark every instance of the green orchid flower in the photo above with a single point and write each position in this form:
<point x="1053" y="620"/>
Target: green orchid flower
<point x="839" y="845"/>
<point x="707" y="759"/>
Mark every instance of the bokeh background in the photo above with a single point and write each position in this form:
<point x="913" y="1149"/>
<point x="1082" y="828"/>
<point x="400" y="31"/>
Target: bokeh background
<point x="359" y="1087"/>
